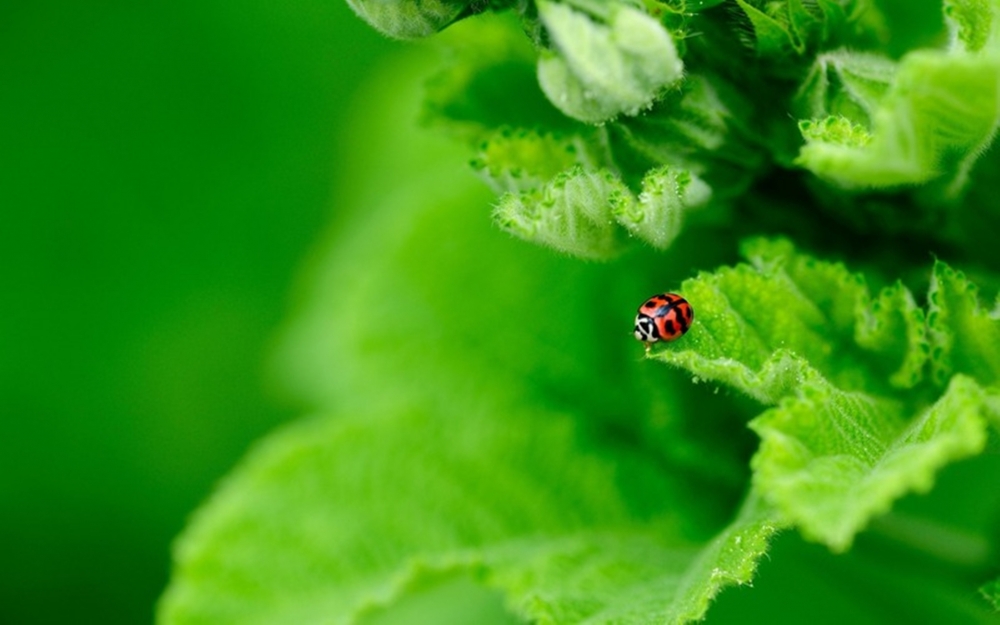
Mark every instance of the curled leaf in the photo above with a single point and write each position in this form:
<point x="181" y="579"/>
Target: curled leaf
<point x="927" y="121"/>
<point x="965" y="337"/>
<point x="571" y="213"/>
<point x="971" y="23"/>
<point x="603" y="67"/>
<point x="519" y="160"/>
<point x="589" y="213"/>
<point x="831" y="460"/>
<point x="657" y="215"/>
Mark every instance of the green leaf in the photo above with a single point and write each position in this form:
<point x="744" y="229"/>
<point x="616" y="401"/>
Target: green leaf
<point x="790" y="28"/>
<point x="768" y="320"/>
<point x="730" y="558"/>
<point x="520" y="160"/>
<point x="332" y="517"/>
<point x="600" y="68"/>
<point x="480" y="447"/>
<point x="991" y="592"/>
<point x="631" y="578"/>
<point x="846" y="84"/>
<point x="474" y="300"/>
<point x="492" y="430"/>
<point x="965" y="338"/>
<point x="409" y="19"/>
<point x="929" y="120"/>
<point x="922" y="130"/>
<point x="844" y="437"/>
<point x="832" y="460"/>
<point x="572" y="213"/>
<point x="587" y="213"/>
<point x="657" y="215"/>
<point x="796" y="580"/>
<point x="771" y="36"/>
<point x="972" y="23"/>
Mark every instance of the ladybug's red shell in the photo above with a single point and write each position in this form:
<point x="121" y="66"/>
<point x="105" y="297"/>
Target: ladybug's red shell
<point x="663" y="317"/>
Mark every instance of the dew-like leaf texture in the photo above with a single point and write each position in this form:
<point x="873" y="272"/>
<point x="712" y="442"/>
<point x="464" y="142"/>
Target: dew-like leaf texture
<point x="853" y="423"/>
<point x="762" y="326"/>
<point x="600" y="68"/>
<point x="409" y="19"/>
<point x="331" y="517"/>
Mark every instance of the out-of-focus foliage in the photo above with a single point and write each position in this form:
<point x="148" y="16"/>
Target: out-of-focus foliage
<point x="162" y="167"/>
<point x="992" y="593"/>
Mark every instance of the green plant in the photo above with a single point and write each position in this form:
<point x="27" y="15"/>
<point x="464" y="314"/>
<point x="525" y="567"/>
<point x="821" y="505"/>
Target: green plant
<point x="486" y="422"/>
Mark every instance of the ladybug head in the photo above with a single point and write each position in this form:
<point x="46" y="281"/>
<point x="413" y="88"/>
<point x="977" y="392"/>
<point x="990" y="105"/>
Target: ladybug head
<point x="645" y="329"/>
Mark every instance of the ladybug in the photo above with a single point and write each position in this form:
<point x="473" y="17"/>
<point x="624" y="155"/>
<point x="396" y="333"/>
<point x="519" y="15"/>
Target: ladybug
<point x="664" y="317"/>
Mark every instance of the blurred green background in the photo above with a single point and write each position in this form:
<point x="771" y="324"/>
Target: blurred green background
<point x="164" y="167"/>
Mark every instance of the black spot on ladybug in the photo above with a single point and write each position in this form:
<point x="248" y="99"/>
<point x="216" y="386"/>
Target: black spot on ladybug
<point x="682" y="320"/>
<point x="669" y="326"/>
